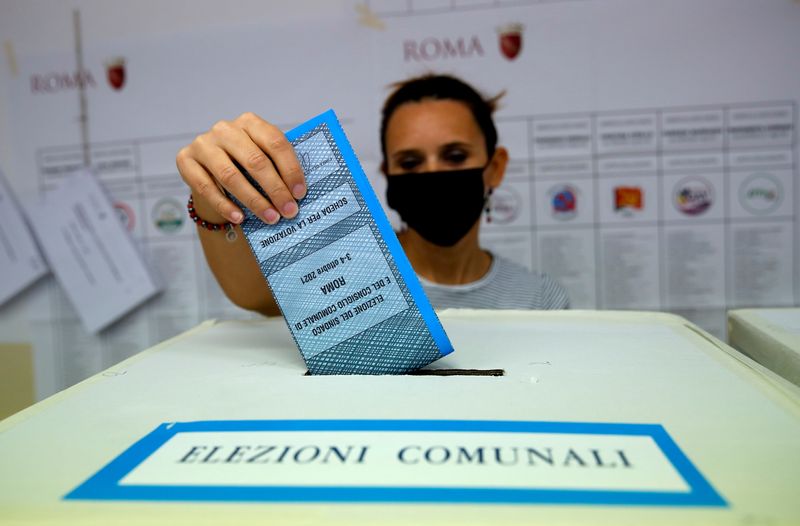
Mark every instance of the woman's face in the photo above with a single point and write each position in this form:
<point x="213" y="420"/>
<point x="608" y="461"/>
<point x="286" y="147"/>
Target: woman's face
<point x="433" y="135"/>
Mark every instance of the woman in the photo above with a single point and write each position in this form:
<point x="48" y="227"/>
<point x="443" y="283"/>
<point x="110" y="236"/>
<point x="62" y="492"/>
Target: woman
<point x="441" y="159"/>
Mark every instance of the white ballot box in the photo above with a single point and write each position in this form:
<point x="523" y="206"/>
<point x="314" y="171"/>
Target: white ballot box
<point x="769" y="336"/>
<point x="536" y="418"/>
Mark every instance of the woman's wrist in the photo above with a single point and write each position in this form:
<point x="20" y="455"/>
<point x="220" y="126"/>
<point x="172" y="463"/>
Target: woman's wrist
<point x="206" y="210"/>
<point x="203" y="223"/>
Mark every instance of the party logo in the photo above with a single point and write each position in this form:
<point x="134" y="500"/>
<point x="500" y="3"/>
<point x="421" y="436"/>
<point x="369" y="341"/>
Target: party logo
<point x="168" y="215"/>
<point x="505" y="205"/>
<point x="563" y="202"/>
<point x="693" y="196"/>
<point x="628" y="200"/>
<point x="761" y="194"/>
<point x="125" y="215"/>
<point x="115" y="72"/>
<point x="510" y="40"/>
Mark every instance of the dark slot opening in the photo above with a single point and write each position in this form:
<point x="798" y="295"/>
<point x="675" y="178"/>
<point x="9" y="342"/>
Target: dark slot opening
<point x="447" y="372"/>
<point x="458" y="372"/>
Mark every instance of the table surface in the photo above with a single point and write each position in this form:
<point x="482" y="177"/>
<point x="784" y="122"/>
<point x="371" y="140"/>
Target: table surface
<point x="769" y="336"/>
<point x="782" y="324"/>
<point x="737" y="422"/>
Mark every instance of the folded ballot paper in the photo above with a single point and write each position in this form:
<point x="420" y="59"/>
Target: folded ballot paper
<point x="346" y="289"/>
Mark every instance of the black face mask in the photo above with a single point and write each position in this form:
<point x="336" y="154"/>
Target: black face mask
<point x="440" y="206"/>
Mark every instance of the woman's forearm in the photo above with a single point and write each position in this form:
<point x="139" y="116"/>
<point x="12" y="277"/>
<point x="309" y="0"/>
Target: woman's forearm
<point x="234" y="266"/>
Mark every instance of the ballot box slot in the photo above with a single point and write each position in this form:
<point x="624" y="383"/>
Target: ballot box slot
<point x="458" y="372"/>
<point x="443" y="372"/>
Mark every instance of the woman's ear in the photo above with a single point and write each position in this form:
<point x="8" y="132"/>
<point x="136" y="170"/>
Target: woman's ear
<point x="496" y="169"/>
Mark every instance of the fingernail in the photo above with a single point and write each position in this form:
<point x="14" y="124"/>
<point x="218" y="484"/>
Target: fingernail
<point x="290" y="209"/>
<point x="236" y="217"/>
<point x="271" y="216"/>
<point x="299" y="191"/>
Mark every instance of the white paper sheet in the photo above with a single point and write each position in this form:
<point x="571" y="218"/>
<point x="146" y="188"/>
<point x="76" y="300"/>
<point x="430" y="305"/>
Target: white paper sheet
<point x="89" y="250"/>
<point x="20" y="258"/>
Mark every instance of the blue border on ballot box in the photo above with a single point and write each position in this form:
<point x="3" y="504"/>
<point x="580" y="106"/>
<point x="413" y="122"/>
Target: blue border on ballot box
<point x="379" y="216"/>
<point x="105" y="484"/>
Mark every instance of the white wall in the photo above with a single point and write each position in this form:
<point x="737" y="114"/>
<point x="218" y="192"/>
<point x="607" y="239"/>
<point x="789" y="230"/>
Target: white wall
<point x="581" y="60"/>
<point x="42" y="27"/>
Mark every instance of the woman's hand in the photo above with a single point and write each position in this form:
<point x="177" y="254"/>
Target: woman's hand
<point x="207" y="166"/>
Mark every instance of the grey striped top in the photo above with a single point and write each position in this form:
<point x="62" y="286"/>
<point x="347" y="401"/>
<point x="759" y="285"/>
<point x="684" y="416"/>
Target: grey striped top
<point x="507" y="285"/>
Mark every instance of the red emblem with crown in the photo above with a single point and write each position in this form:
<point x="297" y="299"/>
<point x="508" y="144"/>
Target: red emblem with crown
<point x="115" y="72"/>
<point x="510" y="40"/>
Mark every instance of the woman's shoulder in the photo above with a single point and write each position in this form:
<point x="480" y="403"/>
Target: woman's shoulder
<point x="545" y="292"/>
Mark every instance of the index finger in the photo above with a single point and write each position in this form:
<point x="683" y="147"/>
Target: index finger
<point x="274" y="143"/>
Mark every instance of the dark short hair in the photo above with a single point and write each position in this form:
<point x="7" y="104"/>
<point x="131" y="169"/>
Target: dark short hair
<point x="443" y="87"/>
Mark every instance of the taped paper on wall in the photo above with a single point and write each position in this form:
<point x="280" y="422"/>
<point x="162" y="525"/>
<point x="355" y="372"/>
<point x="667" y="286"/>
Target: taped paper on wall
<point x="90" y="252"/>
<point x="20" y="258"/>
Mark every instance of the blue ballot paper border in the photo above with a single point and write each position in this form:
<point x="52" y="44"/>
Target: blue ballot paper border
<point x="381" y="221"/>
<point x="410" y="335"/>
<point x="105" y="484"/>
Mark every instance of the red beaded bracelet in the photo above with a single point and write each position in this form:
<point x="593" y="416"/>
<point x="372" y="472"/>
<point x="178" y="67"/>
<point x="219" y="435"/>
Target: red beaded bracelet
<point x="202" y="222"/>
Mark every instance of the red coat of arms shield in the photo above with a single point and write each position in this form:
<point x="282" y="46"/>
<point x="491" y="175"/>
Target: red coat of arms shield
<point x="115" y="72"/>
<point x="510" y="40"/>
